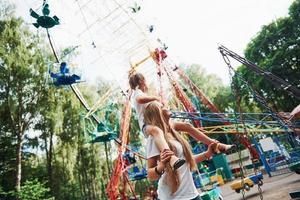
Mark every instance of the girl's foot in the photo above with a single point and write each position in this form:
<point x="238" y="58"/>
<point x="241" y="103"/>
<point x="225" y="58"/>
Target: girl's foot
<point x="223" y="148"/>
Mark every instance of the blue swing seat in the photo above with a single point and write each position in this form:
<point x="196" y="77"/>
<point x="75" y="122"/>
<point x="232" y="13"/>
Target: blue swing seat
<point x="136" y="174"/>
<point x="129" y="156"/>
<point x="63" y="77"/>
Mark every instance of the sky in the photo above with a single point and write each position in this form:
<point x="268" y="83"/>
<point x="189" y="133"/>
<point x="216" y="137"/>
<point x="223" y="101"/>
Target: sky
<point x="192" y="29"/>
<point x="195" y="28"/>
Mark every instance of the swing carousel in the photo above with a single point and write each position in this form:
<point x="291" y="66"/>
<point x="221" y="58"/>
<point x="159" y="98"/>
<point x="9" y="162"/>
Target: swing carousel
<point x="114" y="33"/>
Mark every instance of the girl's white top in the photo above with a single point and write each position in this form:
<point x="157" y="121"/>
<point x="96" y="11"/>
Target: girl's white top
<point x="140" y="108"/>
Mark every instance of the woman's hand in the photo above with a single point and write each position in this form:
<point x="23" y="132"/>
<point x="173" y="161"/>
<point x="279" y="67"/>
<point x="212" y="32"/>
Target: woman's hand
<point x="165" y="156"/>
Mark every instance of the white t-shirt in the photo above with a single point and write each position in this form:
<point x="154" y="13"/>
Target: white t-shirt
<point x="140" y="108"/>
<point x="187" y="189"/>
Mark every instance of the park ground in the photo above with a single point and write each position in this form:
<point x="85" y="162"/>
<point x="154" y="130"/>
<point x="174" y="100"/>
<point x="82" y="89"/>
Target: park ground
<point x="274" y="188"/>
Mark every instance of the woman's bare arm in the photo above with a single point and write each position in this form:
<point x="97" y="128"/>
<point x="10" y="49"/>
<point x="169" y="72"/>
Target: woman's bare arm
<point x="154" y="174"/>
<point x="152" y="163"/>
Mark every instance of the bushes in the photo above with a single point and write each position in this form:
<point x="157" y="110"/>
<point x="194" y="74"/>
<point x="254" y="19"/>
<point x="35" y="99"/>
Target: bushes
<point x="34" y="190"/>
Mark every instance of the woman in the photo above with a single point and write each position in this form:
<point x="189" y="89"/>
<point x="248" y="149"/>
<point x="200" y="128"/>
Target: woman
<point x="172" y="184"/>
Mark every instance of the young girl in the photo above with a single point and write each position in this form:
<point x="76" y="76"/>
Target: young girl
<point x="138" y="84"/>
<point x="172" y="184"/>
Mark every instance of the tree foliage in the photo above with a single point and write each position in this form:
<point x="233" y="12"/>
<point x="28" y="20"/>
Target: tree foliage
<point x="41" y="133"/>
<point x="276" y="48"/>
<point x="21" y="81"/>
<point x="211" y="86"/>
<point x="34" y="190"/>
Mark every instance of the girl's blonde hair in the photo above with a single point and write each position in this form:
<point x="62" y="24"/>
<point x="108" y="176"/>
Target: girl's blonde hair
<point x="153" y="115"/>
<point x="135" y="80"/>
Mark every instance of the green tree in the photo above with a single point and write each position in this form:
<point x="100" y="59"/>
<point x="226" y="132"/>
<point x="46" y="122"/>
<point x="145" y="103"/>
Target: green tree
<point x="210" y="84"/>
<point x="34" y="190"/>
<point x="7" y="139"/>
<point x="21" y="81"/>
<point x="7" y="154"/>
<point x="276" y="49"/>
<point x="77" y="168"/>
<point x="49" y="123"/>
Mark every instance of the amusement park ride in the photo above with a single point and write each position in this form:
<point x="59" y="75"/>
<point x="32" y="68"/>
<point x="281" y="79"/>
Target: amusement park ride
<point x="64" y="77"/>
<point x="44" y="20"/>
<point x="244" y="126"/>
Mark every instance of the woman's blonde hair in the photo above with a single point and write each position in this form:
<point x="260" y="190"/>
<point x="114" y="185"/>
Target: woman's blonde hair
<point x="153" y="115"/>
<point x="135" y="80"/>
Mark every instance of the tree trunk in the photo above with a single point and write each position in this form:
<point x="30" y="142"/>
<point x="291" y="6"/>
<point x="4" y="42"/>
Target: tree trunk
<point x="87" y="182"/>
<point x="82" y="192"/>
<point x="93" y="177"/>
<point x="49" y="156"/>
<point x="84" y="176"/>
<point x="50" y="171"/>
<point x="19" y="162"/>
<point x="20" y="124"/>
<point x="106" y="156"/>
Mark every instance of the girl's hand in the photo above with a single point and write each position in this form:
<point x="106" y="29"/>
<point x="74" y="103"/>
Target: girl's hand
<point x="211" y="149"/>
